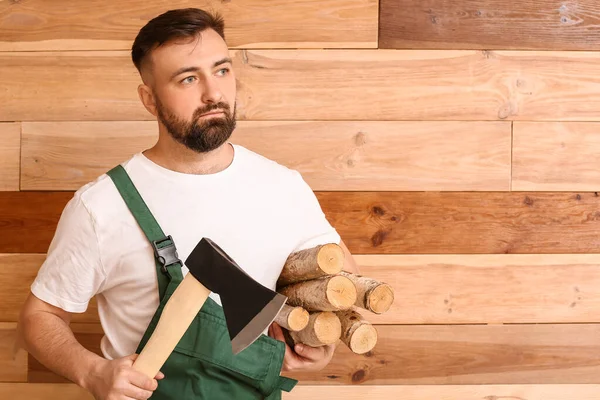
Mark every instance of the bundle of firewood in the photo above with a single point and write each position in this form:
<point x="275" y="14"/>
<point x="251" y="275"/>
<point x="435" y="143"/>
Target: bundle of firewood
<point x="323" y="300"/>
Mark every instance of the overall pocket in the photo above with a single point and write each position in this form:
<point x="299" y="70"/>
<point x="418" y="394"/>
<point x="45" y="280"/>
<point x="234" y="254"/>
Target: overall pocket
<point x="207" y="339"/>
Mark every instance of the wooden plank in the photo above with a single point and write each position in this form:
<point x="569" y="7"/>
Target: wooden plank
<point x="322" y="85"/>
<point x="454" y="354"/>
<point x="464" y="223"/>
<point x="13" y="364"/>
<point x="445" y="392"/>
<point x="387" y="222"/>
<point x="556" y="156"/>
<point x="469" y="354"/>
<point x="45" y="391"/>
<point x="489" y="24"/>
<point x="100" y="25"/>
<point x="72" y="86"/>
<point x="439" y="289"/>
<point x="34" y="391"/>
<point x="9" y="155"/>
<point x="332" y="155"/>
<point x="17" y="272"/>
<point x="456" y="289"/>
<point x="68" y="155"/>
<point x="29" y="219"/>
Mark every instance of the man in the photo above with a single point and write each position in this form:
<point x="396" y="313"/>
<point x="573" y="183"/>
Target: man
<point x="196" y="184"/>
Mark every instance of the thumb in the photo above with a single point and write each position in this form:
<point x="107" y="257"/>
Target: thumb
<point x="308" y="352"/>
<point x="128" y="360"/>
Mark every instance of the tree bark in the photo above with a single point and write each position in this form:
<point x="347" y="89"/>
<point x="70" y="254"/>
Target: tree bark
<point x="332" y="293"/>
<point x="371" y="294"/>
<point x="312" y="263"/>
<point x="292" y="318"/>
<point x="357" y="333"/>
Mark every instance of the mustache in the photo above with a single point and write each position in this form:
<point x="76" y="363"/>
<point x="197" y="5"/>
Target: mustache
<point x="216" y="106"/>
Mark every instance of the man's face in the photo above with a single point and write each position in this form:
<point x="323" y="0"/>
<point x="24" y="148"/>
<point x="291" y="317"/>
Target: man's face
<point x="194" y="90"/>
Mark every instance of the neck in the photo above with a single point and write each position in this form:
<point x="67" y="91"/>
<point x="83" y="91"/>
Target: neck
<point x="173" y="155"/>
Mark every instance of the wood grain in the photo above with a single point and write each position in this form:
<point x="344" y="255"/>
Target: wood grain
<point x="13" y="364"/>
<point x="439" y="289"/>
<point x="311" y="85"/>
<point x="365" y="155"/>
<point x="464" y="222"/>
<point x="469" y="354"/>
<point x="17" y="272"/>
<point x="556" y="156"/>
<point x="100" y="25"/>
<point x="453" y="354"/>
<point x="418" y="85"/>
<point x="32" y="391"/>
<point x="44" y="391"/>
<point x="387" y="222"/>
<point x="29" y="219"/>
<point x="67" y="155"/>
<point x="449" y="392"/>
<point x="10" y="134"/>
<point x="507" y="288"/>
<point x="490" y="24"/>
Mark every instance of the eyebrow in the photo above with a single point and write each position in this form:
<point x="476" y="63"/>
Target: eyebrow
<point x="196" y="69"/>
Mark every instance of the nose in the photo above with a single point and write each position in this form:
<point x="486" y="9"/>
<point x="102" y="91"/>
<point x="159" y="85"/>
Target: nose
<point x="212" y="92"/>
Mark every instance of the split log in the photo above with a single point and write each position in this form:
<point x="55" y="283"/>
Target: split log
<point x="332" y="293"/>
<point x="312" y="263"/>
<point x="371" y="294"/>
<point x="292" y="318"/>
<point x="323" y="328"/>
<point x="357" y="333"/>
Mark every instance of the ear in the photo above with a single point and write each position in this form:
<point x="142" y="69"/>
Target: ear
<point x="147" y="98"/>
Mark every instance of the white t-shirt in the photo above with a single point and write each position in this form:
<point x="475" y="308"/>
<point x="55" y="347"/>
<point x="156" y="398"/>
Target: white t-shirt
<point x="256" y="210"/>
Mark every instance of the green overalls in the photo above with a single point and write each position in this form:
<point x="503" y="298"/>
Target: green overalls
<point x="202" y="365"/>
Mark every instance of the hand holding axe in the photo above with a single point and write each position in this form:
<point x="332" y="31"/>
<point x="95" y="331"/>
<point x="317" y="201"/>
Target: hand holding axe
<point x="249" y="307"/>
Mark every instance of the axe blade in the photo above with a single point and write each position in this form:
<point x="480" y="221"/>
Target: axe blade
<point x="249" y="307"/>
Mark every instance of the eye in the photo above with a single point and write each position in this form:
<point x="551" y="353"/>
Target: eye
<point x="223" y="71"/>
<point x="188" y="79"/>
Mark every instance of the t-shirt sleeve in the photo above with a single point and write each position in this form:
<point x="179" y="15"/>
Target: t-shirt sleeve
<point x="72" y="272"/>
<point x="313" y="227"/>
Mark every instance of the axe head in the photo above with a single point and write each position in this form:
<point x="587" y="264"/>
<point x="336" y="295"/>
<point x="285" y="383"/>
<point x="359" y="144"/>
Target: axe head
<point x="249" y="307"/>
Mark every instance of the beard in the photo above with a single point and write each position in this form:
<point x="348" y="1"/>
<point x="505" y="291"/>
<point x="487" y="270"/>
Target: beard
<point x="198" y="135"/>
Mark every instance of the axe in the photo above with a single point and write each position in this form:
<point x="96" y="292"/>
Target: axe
<point x="249" y="307"/>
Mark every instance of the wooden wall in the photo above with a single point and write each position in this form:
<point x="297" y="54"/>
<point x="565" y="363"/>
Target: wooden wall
<point x="453" y="144"/>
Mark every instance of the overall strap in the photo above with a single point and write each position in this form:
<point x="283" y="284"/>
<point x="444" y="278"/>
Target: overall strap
<point x="168" y="265"/>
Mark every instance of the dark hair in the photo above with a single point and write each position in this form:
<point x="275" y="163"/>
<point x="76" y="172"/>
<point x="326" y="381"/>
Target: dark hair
<point x="173" y="24"/>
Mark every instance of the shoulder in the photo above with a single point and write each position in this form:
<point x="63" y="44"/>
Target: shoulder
<point x="266" y="168"/>
<point x="101" y="194"/>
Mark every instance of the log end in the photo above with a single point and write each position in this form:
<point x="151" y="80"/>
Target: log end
<point x="364" y="339"/>
<point x="298" y="319"/>
<point x="341" y="292"/>
<point x="381" y="299"/>
<point x="331" y="258"/>
<point x="327" y="327"/>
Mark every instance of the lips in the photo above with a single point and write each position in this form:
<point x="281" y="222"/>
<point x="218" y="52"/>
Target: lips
<point x="212" y="113"/>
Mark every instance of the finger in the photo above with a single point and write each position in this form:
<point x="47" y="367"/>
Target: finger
<point x="310" y="353"/>
<point x="137" y="393"/>
<point x="142" y="381"/>
<point x="160" y="375"/>
<point x="277" y="332"/>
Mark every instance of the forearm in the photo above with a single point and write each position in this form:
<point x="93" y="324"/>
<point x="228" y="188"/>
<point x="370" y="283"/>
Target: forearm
<point x="50" y="340"/>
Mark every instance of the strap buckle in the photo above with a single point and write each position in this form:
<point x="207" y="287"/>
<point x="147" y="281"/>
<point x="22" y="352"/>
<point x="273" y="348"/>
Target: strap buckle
<point x="166" y="255"/>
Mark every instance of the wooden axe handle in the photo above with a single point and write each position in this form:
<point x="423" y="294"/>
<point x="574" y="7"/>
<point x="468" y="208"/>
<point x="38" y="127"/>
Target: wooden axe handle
<point x="177" y="315"/>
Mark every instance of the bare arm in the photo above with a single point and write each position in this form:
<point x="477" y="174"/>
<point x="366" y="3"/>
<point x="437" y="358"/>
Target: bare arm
<point x="350" y="264"/>
<point x="45" y="333"/>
